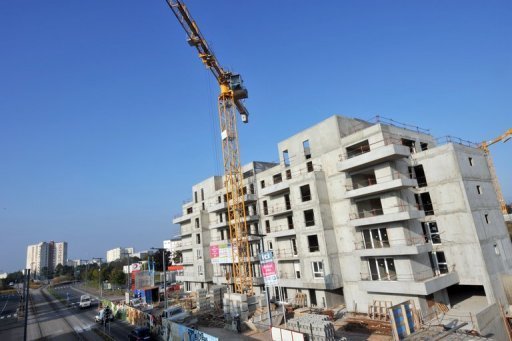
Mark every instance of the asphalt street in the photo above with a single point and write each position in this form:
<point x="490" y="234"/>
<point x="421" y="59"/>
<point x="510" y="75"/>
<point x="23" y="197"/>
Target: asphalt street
<point x="50" y="319"/>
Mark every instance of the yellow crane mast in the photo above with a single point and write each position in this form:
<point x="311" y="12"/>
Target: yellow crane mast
<point x="485" y="147"/>
<point x="232" y="92"/>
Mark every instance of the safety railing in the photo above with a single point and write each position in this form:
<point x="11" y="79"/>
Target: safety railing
<point x="370" y="181"/>
<point x="366" y="245"/>
<point x="366" y="148"/>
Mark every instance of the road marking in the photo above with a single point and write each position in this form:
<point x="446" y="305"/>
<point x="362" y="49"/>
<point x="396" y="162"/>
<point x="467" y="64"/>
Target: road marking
<point x="7" y="300"/>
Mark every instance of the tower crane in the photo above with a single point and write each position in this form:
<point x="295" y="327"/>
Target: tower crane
<point x="485" y="147"/>
<point x="232" y="92"/>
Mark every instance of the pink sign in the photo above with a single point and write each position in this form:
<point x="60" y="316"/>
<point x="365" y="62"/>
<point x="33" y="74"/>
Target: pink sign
<point x="214" y="251"/>
<point x="268" y="269"/>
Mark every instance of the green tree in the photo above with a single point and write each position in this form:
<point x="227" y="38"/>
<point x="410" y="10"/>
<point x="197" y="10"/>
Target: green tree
<point x="178" y="257"/>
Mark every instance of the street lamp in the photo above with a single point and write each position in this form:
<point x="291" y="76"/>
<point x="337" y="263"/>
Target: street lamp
<point x="165" y="272"/>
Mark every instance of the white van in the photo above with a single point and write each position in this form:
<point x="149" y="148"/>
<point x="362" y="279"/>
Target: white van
<point x="85" y="301"/>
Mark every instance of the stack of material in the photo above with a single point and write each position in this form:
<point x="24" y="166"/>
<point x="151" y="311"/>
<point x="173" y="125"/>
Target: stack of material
<point x="236" y="304"/>
<point x="218" y="292"/>
<point x="202" y="301"/>
<point x="317" y="327"/>
<point x="300" y="300"/>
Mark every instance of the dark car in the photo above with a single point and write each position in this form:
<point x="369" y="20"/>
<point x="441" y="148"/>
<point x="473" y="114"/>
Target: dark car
<point x="140" y="333"/>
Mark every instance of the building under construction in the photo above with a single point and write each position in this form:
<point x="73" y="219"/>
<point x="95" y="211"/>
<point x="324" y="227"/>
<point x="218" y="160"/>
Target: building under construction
<point x="366" y="214"/>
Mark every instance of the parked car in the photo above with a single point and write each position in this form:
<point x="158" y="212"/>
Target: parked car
<point x="104" y="315"/>
<point x="85" y="301"/>
<point x="140" y="333"/>
<point x="179" y="315"/>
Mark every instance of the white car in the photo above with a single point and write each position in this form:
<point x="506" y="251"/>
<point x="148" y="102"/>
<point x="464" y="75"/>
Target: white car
<point x="104" y="315"/>
<point x="85" y="301"/>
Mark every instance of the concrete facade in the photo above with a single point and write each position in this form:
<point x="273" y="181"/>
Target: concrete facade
<point x="118" y="253"/>
<point x="357" y="212"/>
<point x="46" y="255"/>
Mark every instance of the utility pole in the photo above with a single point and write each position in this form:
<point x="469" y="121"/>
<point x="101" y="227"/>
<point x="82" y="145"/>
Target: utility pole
<point x="25" y="294"/>
<point x="164" y="263"/>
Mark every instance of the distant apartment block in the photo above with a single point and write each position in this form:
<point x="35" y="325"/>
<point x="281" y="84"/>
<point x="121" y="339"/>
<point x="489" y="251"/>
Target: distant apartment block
<point x="357" y="212"/>
<point x="118" y="253"/>
<point x="45" y="256"/>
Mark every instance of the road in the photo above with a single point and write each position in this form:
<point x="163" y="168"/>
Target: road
<point x="8" y="314"/>
<point x="50" y="319"/>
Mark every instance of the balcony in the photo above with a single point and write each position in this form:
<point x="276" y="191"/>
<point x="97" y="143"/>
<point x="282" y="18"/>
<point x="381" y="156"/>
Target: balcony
<point x="185" y="246"/>
<point x="179" y="219"/>
<point x="392" y="183"/>
<point x="388" y="152"/>
<point x="278" y="210"/>
<point x="407" y="284"/>
<point x="187" y="261"/>
<point x="281" y="231"/>
<point x="379" y="216"/>
<point x="275" y="189"/>
<point x="185" y="231"/>
<point x="218" y="224"/>
<point x="290" y="280"/>
<point x="185" y="276"/>
<point x="286" y="254"/>
<point x="412" y="246"/>
<point x="218" y="207"/>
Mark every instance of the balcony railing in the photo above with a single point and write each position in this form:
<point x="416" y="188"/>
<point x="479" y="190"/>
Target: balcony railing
<point x="416" y="277"/>
<point x="362" y="245"/>
<point x="368" y="148"/>
<point x="377" y="211"/>
<point x="285" y="253"/>
<point x="370" y="181"/>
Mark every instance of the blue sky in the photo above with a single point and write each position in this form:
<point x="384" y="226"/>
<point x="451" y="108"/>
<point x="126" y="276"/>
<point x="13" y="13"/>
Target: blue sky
<point x="107" y="116"/>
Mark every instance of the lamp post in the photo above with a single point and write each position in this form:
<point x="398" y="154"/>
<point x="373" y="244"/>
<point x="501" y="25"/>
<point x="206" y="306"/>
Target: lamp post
<point x="128" y="271"/>
<point x="164" y="263"/>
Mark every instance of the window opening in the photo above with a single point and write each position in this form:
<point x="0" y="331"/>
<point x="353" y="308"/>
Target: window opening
<point x="470" y="159"/>
<point x="277" y="178"/>
<point x="309" y="218"/>
<point x="286" y="158"/>
<point x="313" y="243"/>
<point x="309" y="166"/>
<point x="195" y="197"/>
<point x="202" y="194"/>
<point x="265" y="207"/>
<point x="420" y="176"/>
<point x="251" y="188"/>
<point x="197" y="222"/>
<point x="487" y="218"/>
<point x="290" y="222"/>
<point x="318" y="269"/>
<point x="409" y="143"/>
<point x="478" y="189"/>
<point x="382" y="269"/>
<point x="424" y="145"/>
<point x="189" y="210"/>
<point x="262" y="183"/>
<point x="375" y="238"/>
<point x="427" y="203"/>
<point x="431" y="232"/>
<point x="305" y="193"/>
<point x="294" y="247"/>
<point x="198" y="239"/>
<point x="357" y="149"/>
<point x="307" y="150"/>
<point x="288" y="174"/>
<point x="287" y="203"/>
<point x="267" y="226"/>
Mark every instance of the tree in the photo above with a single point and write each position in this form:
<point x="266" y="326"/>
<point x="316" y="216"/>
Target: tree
<point x="178" y="257"/>
<point x="157" y="258"/>
<point x="117" y="276"/>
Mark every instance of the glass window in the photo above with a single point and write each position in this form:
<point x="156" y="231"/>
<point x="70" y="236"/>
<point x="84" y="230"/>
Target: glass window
<point x="307" y="150"/>
<point x="318" y="269"/>
<point x="305" y="193"/>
